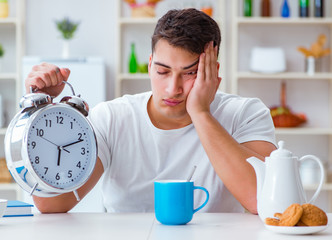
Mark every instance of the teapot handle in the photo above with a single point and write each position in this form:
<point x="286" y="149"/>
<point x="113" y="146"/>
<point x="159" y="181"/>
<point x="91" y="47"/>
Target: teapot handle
<point x="322" y="175"/>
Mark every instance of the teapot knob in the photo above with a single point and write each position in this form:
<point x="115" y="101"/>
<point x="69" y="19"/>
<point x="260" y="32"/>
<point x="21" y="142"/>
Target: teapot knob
<point x="281" y="152"/>
<point x="281" y="144"/>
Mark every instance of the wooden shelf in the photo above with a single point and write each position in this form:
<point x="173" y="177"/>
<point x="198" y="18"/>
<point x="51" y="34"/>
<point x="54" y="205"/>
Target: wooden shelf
<point x="285" y="21"/>
<point x="11" y="76"/>
<point x="124" y="21"/>
<point x="134" y="76"/>
<point x="9" y="186"/>
<point x="303" y="131"/>
<point x="151" y="21"/>
<point x="284" y="75"/>
<point x="5" y="21"/>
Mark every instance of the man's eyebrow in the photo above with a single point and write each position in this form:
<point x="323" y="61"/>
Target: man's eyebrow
<point x="184" y="68"/>
<point x="161" y="64"/>
<point x="191" y="65"/>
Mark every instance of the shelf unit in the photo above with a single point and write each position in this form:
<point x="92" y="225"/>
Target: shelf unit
<point x="139" y="31"/>
<point x="12" y="39"/>
<point x="288" y="33"/>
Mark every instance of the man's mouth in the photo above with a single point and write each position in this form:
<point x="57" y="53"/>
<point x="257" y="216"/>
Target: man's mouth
<point x="172" y="102"/>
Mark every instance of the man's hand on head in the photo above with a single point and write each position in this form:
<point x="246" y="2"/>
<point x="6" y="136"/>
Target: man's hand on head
<point x="207" y="82"/>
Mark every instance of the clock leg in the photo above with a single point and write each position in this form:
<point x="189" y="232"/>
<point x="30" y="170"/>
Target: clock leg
<point x="33" y="189"/>
<point x="77" y="196"/>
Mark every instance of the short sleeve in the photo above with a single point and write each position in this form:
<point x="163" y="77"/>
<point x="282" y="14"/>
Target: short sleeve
<point x="254" y="122"/>
<point x="100" y="117"/>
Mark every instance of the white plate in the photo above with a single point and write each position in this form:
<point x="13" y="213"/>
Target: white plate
<point x="296" y="230"/>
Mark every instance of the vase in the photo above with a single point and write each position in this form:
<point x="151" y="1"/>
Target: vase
<point x="313" y="65"/>
<point x="65" y="49"/>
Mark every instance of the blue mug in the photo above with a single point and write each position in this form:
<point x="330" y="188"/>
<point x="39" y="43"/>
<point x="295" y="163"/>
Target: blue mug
<point x="174" y="201"/>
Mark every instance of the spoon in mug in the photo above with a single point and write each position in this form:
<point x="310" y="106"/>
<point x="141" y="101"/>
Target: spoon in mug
<point x="191" y="174"/>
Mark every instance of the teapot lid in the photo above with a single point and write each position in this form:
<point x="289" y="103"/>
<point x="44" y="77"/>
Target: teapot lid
<point x="281" y="152"/>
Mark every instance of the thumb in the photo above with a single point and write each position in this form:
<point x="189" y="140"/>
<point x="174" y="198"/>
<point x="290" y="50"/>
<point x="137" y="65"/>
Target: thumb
<point x="65" y="73"/>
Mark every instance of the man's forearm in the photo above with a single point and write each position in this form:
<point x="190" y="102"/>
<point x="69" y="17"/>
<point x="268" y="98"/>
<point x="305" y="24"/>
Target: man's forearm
<point x="228" y="158"/>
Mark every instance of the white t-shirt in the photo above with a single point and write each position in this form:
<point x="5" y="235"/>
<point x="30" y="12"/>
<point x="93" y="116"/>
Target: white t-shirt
<point x="135" y="153"/>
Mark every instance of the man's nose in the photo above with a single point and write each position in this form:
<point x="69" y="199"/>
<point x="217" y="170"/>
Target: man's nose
<point x="175" y="85"/>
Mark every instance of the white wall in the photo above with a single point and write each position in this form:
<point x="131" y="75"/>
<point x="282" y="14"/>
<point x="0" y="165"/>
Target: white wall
<point x="95" y="35"/>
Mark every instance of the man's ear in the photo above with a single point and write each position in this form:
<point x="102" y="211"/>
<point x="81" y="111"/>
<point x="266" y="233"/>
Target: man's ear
<point x="219" y="78"/>
<point x="150" y="62"/>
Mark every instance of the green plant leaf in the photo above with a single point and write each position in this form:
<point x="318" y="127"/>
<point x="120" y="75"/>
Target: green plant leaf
<point x="67" y="27"/>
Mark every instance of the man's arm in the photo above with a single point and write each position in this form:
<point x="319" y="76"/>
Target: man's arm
<point x="65" y="202"/>
<point x="48" y="78"/>
<point x="227" y="156"/>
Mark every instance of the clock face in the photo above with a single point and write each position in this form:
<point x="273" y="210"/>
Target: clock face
<point x="61" y="146"/>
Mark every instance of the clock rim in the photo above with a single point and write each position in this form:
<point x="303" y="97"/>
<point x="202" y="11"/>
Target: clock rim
<point x="42" y="185"/>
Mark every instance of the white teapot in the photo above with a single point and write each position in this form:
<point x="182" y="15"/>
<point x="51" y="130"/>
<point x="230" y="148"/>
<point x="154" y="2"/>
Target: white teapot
<point x="278" y="181"/>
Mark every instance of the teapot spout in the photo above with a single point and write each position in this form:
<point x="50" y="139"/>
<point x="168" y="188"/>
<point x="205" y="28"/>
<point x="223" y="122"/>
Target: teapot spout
<point x="259" y="167"/>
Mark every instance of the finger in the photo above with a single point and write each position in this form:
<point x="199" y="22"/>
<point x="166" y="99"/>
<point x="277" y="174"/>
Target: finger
<point x="35" y="82"/>
<point x="46" y="72"/>
<point x="59" y="77"/>
<point x="215" y="63"/>
<point x="65" y="72"/>
<point x="201" y="68"/>
<point x="54" y="77"/>
<point x="208" y="61"/>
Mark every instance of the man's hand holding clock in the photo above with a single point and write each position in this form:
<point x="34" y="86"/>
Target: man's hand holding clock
<point x="57" y="142"/>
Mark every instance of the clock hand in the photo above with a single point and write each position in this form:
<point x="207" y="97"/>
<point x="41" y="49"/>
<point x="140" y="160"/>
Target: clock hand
<point x="55" y="144"/>
<point x="59" y="156"/>
<point x="49" y="141"/>
<point x="72" y="143"/>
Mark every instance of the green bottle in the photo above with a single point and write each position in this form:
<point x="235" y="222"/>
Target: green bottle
<point x="247" y="8"/>
<point x="132" y="60"/>
<point x="304" y="8"/>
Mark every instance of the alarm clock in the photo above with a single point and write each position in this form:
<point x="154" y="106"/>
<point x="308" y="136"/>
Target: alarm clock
<point x="50" y="147"/>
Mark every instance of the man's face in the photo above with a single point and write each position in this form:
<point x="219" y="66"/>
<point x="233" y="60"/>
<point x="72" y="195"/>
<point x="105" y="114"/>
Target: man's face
<point x="173" y="72"/>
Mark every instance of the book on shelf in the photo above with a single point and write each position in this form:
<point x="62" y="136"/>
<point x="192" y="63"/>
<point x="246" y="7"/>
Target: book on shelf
<point x="17" y="208"/>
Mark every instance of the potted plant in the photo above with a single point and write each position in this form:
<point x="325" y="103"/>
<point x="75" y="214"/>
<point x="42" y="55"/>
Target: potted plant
<point x="67" y="28"/>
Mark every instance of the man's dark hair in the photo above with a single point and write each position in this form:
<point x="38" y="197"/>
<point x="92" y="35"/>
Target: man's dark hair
<point x="189" y="29"/>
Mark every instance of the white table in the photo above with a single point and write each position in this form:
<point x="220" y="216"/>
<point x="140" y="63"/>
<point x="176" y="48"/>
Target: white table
<point x="93" y="226"/>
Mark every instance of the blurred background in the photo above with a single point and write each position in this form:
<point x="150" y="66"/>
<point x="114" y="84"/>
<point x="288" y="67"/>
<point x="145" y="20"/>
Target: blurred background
<point x="276" y="50"/>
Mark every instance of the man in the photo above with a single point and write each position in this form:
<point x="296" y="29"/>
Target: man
<point x="183" y="122"/>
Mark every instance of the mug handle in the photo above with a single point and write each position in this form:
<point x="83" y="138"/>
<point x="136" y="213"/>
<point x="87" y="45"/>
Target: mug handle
<point x="206" y="200"/>
<point x="322" y="174"/>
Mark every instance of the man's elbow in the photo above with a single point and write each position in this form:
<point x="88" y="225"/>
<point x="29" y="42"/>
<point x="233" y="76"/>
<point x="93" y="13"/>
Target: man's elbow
<point x="49" y="205"/>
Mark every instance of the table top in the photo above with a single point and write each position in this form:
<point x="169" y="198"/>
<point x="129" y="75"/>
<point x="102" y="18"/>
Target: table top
<point x="142" y="226"/>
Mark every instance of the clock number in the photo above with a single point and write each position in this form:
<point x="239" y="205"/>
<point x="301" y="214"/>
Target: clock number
<point x="46" y="169"/>
<point x="71" y="125"/>
<point x="80" y="137"/>
<point x="36" y="160"/>
<point x="40" y="132"/>
<point x="78" y="164"/>
<point x="48" y="123"/>
<point x="59" y="120"/>
<point x="83" y="151"/>
<point x="33" y="144"/>
<point x="57" y="176"/>
<point x="70" y="174"/>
